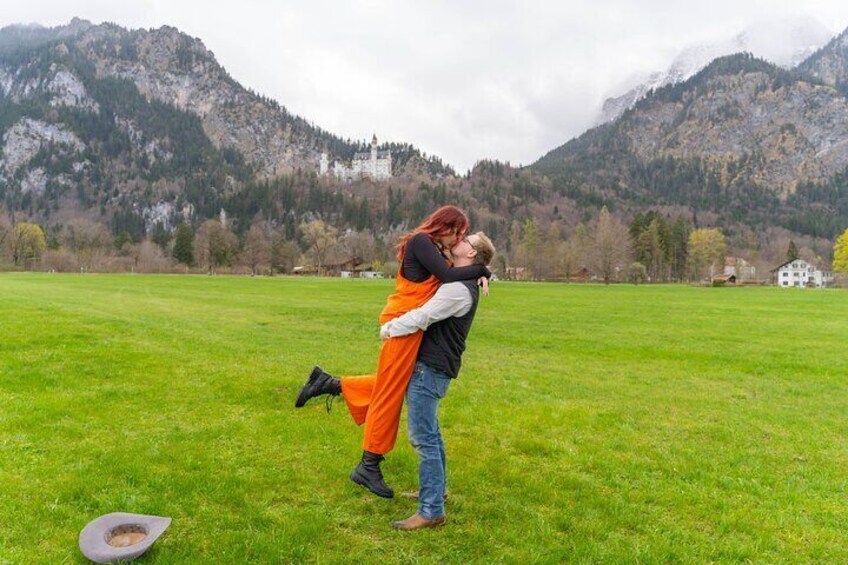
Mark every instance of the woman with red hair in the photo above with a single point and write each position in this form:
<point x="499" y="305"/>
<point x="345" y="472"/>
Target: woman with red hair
<point x="376" y="400"/>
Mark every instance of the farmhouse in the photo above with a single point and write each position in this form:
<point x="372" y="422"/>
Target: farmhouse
<point x="739" y="267"/>
<point x="799" y="273"/>
<point x="583" y="275"/>
<point x="724" y="280"/>
<point x="358" y="270"/>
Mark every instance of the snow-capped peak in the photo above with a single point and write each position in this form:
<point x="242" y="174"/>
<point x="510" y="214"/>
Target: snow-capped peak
<point x="784" y="42"/>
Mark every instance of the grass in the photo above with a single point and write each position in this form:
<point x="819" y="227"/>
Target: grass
<point x="590" y="424"/>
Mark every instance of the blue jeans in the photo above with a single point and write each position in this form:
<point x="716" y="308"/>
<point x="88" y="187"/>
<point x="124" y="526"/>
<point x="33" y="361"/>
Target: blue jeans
<point x="425" y="389"/>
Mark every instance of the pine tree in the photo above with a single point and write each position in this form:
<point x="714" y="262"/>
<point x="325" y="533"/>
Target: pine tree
<point x="184" y="244"/>
<point x="792" y="253"/>
<point x="530" y="244"/>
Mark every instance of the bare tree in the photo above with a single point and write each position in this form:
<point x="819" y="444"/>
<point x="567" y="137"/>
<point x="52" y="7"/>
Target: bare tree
<point x="257" y="248"/>
<point x="568" y="258"/>
<point x="59" y="260"/>
<point x="284" y="254"/>
<point x="582" y="243"/>
<point x="86" y="240"/>
<point x="610" y="246"/>
<point x="550" y="264"/>
<point x="517" y="256"/>
<point x="215" y="245"/>
<point x="357" y="244"/>
<point x="531" y="247"/>
<point x="320" y="240"/>
<point x="151" y="258"/>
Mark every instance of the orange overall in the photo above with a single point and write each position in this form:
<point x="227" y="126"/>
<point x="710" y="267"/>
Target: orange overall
<point x="377" y="399"/>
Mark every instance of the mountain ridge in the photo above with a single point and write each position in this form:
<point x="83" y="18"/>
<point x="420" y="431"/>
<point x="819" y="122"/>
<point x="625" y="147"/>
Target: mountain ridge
<point x="806" y="35"/>
<point x="172" y="67"/>
<point x="143" y="129"/>
<point x="740" y="134"/>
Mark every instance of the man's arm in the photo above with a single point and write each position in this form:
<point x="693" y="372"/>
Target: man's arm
<point x="452" y="299"/>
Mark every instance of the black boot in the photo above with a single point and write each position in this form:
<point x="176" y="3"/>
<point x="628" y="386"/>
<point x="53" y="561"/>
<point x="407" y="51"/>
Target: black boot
<point x="368" y="474"/>
<point x="317" y="384"/>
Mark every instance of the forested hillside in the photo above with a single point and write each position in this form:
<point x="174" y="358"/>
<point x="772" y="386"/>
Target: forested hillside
<point x="115" y="142"/>
<point x="742" y="143"/>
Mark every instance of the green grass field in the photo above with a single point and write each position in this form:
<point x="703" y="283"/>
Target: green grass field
<point x="590" y="424"/>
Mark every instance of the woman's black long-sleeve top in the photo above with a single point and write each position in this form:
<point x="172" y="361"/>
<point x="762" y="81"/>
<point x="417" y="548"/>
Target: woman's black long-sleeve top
<point x="422" y="259"/>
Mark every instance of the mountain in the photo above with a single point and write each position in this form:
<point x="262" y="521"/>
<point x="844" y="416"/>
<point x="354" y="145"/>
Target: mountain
<point x="830" y="63"/>
<point x="742" y="141"/>
<point x="785" y="43"/>
<point x="145" y="124"/>
<point x="139" y="130"/>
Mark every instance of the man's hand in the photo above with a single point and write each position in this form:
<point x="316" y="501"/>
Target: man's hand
<point x="484" y="282"/>
<point x="384" y="331"/>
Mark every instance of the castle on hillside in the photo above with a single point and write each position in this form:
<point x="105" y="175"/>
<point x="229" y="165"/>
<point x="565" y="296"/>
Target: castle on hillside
<point x="374" y="164"/>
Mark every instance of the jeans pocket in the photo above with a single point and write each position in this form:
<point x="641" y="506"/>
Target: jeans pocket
<point x="440" y="386"/>
<point x="418" y="379"/>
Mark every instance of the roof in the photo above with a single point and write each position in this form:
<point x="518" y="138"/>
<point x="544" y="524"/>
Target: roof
<point x="792" y="261"/>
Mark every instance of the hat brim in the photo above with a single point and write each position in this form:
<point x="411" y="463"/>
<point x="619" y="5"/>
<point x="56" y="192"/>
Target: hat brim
<point x="92" y="538"/>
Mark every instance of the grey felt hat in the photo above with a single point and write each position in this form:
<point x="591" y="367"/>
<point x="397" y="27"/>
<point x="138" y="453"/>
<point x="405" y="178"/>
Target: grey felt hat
<point x="120" y="536"/>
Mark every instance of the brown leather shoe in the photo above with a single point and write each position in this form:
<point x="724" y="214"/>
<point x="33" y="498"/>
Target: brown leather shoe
<point x="414" y="495"/>
<point x="417" y="521"/>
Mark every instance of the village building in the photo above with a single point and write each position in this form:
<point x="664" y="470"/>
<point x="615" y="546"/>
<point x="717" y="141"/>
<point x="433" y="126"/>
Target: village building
<point x="372" y="275"/>
<point x="583" y="275"/>
<point x="724" y="280"/>
<point x="349" y="268"/>
<point x="740" y="268"/>
<point x="799" y="273"/>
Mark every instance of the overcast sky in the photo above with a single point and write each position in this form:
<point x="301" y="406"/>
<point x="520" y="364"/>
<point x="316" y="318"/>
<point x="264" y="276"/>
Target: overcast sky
<point x="464" y="80"/>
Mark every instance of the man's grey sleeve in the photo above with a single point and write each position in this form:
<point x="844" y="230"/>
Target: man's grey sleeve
<point x="452" y="299"/>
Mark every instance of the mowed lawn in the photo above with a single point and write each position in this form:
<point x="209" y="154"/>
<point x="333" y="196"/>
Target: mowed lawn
<point x="590" y="424"/>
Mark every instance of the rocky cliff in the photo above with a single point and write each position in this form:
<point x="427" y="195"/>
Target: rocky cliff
<point x="171" y="67"/>
<point x="830" y="63"/>
<point x="738" y="139"/>
<point x="145" y="123"/>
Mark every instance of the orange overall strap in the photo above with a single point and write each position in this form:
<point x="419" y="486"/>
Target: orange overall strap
<point x="377" y="399"/>
<point x="408" y="296"/>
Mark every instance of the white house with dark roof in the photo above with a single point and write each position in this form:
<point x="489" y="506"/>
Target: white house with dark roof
<point x="799" y="273"/>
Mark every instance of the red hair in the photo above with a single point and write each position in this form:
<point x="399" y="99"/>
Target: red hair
<point x="442" y="222"/>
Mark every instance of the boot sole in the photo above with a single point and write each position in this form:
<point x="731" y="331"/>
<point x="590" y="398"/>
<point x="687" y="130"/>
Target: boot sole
<point x="304" y="397"/>
<point x="355" y="477"/>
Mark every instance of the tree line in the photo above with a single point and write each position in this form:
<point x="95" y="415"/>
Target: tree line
<point x="650" y="248"/>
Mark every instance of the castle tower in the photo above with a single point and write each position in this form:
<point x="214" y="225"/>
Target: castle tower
<point x="323" y="165"/>
<point x="374" y="156"/>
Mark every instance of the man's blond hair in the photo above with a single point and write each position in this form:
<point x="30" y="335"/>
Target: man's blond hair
<point x="483" y="246"/>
